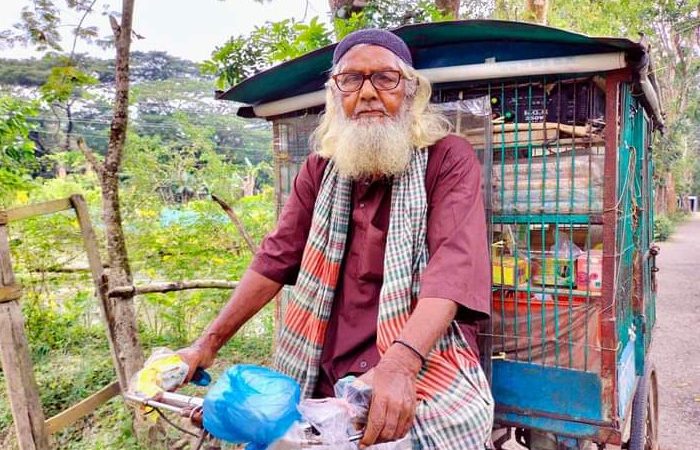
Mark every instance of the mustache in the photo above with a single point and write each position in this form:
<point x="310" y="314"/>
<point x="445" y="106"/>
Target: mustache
<point x="362" y="111"/>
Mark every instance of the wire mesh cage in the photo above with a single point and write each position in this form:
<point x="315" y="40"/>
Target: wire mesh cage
<point x="543" y="153"/>
<point x="542" y="147"/>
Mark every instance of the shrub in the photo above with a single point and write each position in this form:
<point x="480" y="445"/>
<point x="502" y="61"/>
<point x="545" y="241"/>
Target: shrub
<point x="663" y="227"/>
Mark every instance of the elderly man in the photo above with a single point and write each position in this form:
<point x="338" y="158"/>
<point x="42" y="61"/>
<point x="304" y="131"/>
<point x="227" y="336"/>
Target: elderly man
<point x="384" y="238"/>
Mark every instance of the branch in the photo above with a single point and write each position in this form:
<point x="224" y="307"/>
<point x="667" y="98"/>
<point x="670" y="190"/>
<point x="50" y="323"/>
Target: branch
<point x="77" y="29"/>
<point x="237" y="222"/>
<point x="161" y="288"/>
<point x="58" y="269"/>
<point x="116" y="29"/>
<point x="91" y="158"/>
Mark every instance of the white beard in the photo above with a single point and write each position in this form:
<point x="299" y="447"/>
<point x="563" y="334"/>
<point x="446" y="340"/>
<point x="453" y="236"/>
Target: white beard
<point x="372" y="146"/>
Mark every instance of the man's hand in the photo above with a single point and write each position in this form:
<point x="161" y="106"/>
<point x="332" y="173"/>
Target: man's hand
<point x="196" y="355"/>
<point x="253" y="292"/>
<point x="393" y="405"/>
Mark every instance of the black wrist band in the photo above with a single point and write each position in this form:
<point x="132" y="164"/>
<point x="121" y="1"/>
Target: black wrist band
<point x="423" y="359"/>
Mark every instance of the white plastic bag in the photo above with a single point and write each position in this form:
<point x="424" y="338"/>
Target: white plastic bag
<point x="337" y="423"/>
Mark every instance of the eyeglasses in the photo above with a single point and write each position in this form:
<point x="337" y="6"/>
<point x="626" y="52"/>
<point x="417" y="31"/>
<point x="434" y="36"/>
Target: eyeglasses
<point x="384" y="80"/>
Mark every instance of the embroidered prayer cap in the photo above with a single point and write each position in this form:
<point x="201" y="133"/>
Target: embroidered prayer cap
<point x="373" y="36"/>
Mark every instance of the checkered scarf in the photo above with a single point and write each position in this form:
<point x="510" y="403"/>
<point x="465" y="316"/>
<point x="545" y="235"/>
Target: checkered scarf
<point x="455" y="407"/>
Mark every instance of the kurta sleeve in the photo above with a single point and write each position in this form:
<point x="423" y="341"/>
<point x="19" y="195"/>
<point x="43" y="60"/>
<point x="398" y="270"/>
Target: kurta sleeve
<point x="279" y="255"/>
<point x="458" y="268"/>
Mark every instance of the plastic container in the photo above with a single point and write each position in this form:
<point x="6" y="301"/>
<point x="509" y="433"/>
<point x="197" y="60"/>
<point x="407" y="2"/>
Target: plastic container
<point x="551" y="270"/>
<point x="589" y="271"/>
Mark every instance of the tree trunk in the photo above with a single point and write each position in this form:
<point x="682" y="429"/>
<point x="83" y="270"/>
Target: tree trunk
<point x="343" y="8"/>
<point x="536" y="11"/>
<point x="127" y="342"/>
<point x="449" y="7"/>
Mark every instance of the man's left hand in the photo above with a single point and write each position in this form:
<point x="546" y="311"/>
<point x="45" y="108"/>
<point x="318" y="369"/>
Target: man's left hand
<point x="393" y="405"/>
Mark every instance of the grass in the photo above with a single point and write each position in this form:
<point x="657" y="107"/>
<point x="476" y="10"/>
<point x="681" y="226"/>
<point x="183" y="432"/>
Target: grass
<point x="67" y="375"/>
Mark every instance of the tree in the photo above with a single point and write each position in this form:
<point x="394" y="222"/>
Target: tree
<point x="123" y="315"/>
<point x="39" y="25"/>
<point x="671" y="29"/>
<point x="16" y="147"/>
<point x="536" y="11"/>
<point x="274" y="42"/>
<point x="448" y="7"/>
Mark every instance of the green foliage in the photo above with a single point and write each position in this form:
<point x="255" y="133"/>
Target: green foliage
<point x="388" y="14"/>
<point x="663" y="227"/>
<point x="144" y="66"/>
<point x="38" y="26"/>
<point x="243" y="56"/>
<point x="16" y="148"/>
<point x="65" y="82"/>
<point x="274" y="42"/>
<point x="695" y="186"/>
<point x="66" y="335"/>
<point x="26" y="72"/>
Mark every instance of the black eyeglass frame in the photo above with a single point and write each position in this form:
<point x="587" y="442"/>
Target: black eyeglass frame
<point x="367" y="77"/>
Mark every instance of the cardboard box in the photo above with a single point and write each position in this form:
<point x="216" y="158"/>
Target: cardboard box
<point x="508" y="271"/>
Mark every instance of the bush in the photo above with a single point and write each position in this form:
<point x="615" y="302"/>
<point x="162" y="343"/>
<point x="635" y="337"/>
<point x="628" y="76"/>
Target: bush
<point x="663" y="227"/>
<point x="680" y="216"/>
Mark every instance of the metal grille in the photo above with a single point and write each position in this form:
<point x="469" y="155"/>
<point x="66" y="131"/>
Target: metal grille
<point x="291" y="147"/>
<point x="543" y="152"/>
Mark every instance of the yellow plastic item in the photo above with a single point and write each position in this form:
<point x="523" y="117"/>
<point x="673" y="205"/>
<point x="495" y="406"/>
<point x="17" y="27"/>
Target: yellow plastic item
<point x="164" y="371"/>
<point x="506" y="271"/>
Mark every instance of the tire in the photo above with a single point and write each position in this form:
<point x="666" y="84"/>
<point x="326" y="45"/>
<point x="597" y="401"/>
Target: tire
<point x="644" y="432"/>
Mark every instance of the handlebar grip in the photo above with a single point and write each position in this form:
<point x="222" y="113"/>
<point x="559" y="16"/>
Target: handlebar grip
<point x="201" y="377"/>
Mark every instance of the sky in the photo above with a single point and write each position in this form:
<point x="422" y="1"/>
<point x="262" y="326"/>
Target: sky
<point x="189" y="29"/>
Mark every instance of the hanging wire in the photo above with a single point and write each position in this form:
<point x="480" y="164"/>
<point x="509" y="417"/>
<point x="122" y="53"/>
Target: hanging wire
<point x="173" y="424"/>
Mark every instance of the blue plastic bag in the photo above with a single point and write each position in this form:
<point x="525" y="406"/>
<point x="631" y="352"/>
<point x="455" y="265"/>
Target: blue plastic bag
<point x="251" y="404"/>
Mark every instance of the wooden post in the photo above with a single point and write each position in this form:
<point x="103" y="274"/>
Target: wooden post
<point x="608" y="326"/>
<point x="101" y="285"/>
<point x="16" y="363"/>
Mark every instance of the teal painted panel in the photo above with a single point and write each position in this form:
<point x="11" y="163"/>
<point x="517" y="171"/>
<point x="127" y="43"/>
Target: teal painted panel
<point x="434" y="45"/>
<point x="532" y="389"/>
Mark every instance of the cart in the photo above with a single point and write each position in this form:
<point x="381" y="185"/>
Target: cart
<point x="563" y="126"/>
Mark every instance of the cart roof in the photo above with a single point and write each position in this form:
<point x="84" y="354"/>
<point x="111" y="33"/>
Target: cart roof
<point x="439" y="44"/>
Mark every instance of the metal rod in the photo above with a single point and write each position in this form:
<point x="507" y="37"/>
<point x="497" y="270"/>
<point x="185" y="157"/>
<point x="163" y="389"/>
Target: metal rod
<point x="549" y="415"/>
<point x="153" y="403"/>
<point x="541" y="66"/>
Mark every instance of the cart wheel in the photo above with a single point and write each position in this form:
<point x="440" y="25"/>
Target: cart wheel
<point x="644" y="433"/>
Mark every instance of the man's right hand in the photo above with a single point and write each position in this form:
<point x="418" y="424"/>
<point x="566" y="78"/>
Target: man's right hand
<point x="253" y="292"/>
<point x="196" y="355"/>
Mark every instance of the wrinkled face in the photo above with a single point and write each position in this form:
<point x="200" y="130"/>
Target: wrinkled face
<point x="370" y="102"/>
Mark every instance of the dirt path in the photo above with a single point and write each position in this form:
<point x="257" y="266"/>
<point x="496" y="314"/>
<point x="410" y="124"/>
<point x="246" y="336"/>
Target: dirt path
<point x="676" y="346"/>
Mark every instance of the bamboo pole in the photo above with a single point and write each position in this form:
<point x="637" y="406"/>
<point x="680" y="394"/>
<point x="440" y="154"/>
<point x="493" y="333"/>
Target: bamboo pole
<point x="16" y="362"/>
<point x="100" y="279"/>
<point x="161" y="288"/>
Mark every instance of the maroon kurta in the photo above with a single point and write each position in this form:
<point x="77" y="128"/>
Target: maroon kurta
<point x="458" y="268"/>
